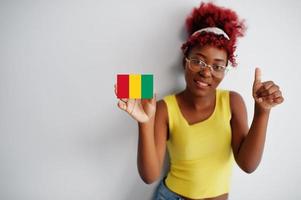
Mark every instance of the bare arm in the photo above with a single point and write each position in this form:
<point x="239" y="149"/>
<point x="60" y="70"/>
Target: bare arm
<point x="152" y="144"/>
<point x="152" y="127"/>
<point x="248" y="144"/>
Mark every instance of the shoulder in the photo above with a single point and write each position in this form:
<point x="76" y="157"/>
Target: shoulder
<point x="236" y="101"/>
<point x="232" y="96"/>
<point x="166" y="102"/>
<point x="161" y="110"/>
<point x="235" y="96"/>
<point x="161" y="119"/>
<point x="164" y="107"/>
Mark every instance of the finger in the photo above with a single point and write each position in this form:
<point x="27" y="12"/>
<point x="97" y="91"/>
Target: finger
<point x="265" y="86"/>
<point x="269" y="99"/>
<point x="135" y="103"/>
<point x="276" y="94"/>
<point x="257" y="78"/>
<point x="275" y="101"/>
<point x="271" y="90"/>
<point x="125" y="100"/>
<point x="155" y="97"/>
<point x="115" y="89"/>
<point x="122" y="105"/>
<point x="273" y="97"/>
<point x="153" y="100"/>
<point x="279" y="100"/>
<point x="259" y="99"/>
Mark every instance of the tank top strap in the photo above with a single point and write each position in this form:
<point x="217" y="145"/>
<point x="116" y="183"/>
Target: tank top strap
<point x="223" y="106"/>
<point x="172" y="110"/>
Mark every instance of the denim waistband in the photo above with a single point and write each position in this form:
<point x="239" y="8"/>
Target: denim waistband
<point x="164" y="193"/>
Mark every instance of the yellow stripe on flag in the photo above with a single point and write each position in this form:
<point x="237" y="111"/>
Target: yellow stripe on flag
<point x="135" y="86"/>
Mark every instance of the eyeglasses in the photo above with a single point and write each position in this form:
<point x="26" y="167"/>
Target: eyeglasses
<point x="197" y="65"/>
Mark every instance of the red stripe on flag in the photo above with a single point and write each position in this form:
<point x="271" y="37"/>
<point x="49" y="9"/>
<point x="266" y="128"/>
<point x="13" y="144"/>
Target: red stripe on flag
<point x="123" y="86"/>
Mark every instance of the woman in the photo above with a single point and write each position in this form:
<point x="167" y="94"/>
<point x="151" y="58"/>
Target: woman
<point x="204" y="128"/>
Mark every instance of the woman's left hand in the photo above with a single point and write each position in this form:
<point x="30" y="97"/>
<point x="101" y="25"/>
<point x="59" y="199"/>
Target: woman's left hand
<point x="266" y="94"/>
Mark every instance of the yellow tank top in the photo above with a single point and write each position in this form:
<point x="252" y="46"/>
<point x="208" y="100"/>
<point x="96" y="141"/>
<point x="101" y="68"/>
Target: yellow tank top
<point x="201" y="156"/>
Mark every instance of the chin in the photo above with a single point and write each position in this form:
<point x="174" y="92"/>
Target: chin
<point x="200" y="92"/>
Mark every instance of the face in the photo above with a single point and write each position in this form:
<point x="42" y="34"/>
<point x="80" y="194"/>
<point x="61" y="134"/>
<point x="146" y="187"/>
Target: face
<point x="202" y="83"/>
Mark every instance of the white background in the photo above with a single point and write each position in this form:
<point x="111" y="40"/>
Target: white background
<point x="61" y="134"/>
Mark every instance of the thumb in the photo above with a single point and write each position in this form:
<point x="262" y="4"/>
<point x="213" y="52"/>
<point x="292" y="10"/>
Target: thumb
<point x="257" y="78"/>
<point x="257" y="84"/>
<point x="153" y="99"/>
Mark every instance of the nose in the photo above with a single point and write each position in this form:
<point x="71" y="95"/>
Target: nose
<point x="205" y="72"/>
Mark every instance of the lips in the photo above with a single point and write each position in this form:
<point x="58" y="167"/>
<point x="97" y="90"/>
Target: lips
<point x="202" y="84"/>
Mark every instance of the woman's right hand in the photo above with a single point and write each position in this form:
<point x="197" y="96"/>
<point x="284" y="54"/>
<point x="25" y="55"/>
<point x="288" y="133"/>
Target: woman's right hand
<point x="142" y="110"/>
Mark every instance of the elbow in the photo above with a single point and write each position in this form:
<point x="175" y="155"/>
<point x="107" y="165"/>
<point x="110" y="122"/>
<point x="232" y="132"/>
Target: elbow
<point x="148" y="180"/>
<point x="249" y="170"/>
<point x="248" y="167"/>
<point x="149" y="174"/>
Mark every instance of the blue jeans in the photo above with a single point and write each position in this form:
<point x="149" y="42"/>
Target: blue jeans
<point x="163" y="193"/>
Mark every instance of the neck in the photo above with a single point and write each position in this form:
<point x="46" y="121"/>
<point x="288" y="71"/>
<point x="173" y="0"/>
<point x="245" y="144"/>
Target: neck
<point x="198" y="102"/>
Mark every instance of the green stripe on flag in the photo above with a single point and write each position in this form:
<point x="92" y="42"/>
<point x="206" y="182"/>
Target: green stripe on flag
<point x="147" y="82"/>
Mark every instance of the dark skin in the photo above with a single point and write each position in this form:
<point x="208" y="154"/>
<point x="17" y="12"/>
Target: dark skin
<point x="196" y="105"/>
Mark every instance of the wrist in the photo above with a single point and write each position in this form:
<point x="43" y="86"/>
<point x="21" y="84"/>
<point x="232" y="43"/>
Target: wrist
<point x="260" y="110"/>
<point x="147" y="122"/>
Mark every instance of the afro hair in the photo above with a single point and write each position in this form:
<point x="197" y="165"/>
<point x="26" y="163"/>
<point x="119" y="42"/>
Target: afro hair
<point x="211" y="15"/>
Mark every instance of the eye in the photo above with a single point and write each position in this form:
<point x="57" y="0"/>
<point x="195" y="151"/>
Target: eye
<point x="218" y="67"/>
<point x="197" y="62"/>
<point x="194" y="61"/>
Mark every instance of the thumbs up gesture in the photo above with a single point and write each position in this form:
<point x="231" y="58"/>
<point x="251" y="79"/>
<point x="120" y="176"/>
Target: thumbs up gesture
<point x="266" y="94"/>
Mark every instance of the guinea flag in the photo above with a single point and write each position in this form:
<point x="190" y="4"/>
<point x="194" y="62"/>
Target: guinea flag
<point x="135" y="86"/>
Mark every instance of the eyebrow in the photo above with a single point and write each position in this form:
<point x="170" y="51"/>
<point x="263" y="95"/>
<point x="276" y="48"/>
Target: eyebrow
<point x="215" y="59"/>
